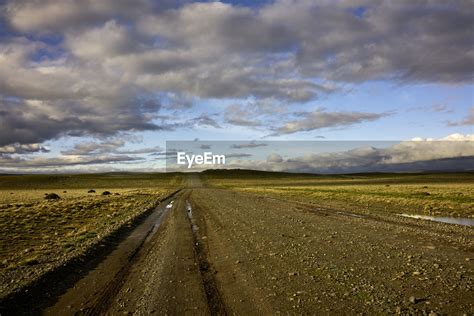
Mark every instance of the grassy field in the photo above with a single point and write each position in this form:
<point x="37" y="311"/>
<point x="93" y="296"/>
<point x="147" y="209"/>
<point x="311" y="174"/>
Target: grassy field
<point x="443" y="194"/>
<point x="37" y="235"/>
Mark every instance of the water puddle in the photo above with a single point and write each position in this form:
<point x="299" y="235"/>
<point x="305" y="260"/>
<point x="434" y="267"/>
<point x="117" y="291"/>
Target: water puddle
<point x="189" y="212"/>
<point x="351" y="214"/>
<point x="159" y="220"/>
<point x="449" y="220"/>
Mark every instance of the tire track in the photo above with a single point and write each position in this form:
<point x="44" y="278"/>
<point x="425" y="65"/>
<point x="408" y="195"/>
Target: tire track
<point x="101" y="302"/>
<point x="214" y="298"/>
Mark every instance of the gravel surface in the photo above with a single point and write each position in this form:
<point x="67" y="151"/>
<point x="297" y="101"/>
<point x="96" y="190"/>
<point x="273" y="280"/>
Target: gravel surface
<point x="285" y="257"/>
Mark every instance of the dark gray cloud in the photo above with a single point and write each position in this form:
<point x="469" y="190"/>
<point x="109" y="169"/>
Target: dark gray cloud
<point x="23" y="149"/>
<point x="57" y="15"/>
<point x="94" y="148"/>
<point x="238" y="155"/>
<point x="205" y="120"/>
<point x="7" y="162"/>
<point x="36" y="121"/>
<point x="330" y="41"/>
<point x="320" y="118"/>
<point x="252" y="144"/>
<point x="110" y="146"/>
<point x="147" y="150"/>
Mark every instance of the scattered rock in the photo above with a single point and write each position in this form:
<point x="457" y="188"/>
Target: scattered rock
<point x="52" y="196"/>
<point x="31" y="261"/>
<point x="91" y="191"/>
<point x="412" y="300"/>
<point x="106" y="193"/>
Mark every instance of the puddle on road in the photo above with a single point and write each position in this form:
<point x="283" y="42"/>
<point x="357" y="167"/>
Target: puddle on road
<point x="159" y="220"/>
<point x="449" y="220"/>
<point x="351" y="214"/>
<point x="189" y="212"/>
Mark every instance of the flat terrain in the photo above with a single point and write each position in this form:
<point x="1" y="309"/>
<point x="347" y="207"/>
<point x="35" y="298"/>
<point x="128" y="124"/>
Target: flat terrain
<point x="247" y="244"/>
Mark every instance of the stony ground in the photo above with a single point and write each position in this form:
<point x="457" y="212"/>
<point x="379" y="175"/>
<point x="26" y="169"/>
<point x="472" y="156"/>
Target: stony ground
<point x="287" y="257"/>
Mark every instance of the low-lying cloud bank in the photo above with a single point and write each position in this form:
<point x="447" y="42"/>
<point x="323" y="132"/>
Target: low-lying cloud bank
<point x="406" y="156"/>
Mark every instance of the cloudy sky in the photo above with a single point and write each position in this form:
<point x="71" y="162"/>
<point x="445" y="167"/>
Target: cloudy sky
<point x="97" y="85"/>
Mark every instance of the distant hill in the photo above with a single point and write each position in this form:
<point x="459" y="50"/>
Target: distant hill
<point x="252" y="174"/>
<point x="239" y="173"/>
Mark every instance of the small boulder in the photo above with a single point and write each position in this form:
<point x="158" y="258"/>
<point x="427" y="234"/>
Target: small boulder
<point x="52" y="196"/>
<point x="91" y="191"/>
<point x="106" y="193"/>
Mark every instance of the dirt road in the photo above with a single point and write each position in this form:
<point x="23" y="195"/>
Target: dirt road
<point x="213" y="251"/>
